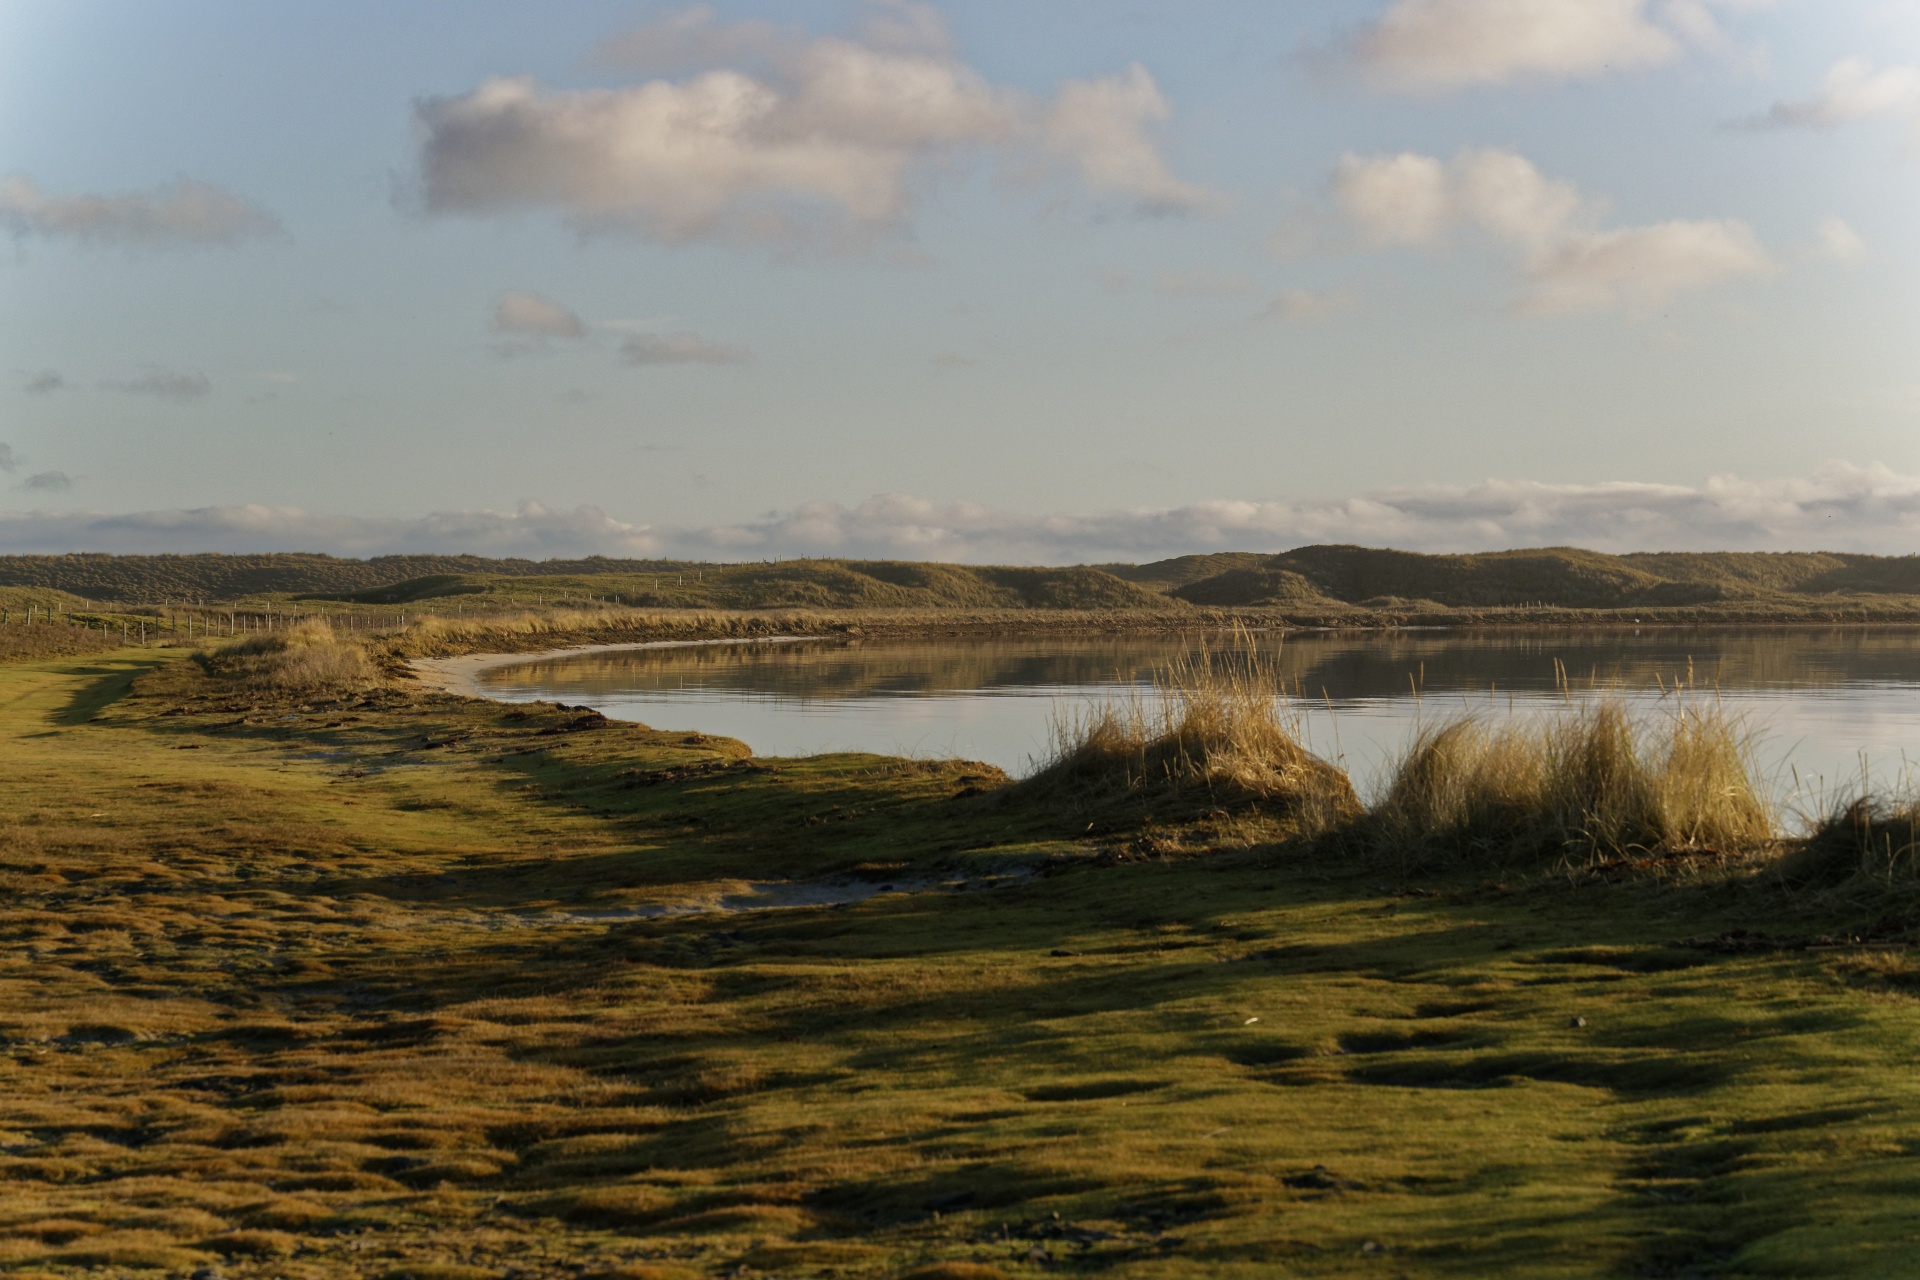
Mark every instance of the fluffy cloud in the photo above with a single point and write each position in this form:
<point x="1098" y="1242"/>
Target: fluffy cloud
<point x="680" y="348"/>
<point x="1852" y="90"/>
<point x="1394" y="200"/>
<point x="183" y="213"/>
<point x="528" y="315"/>
<point x="1840" y="507"/>
<point x="828" y="129"/>
<point x="1436" y="45"/>
<point x="1448" y="44"/>
<point x="166" y="384"/>
<point x="1101" y="126"/>
<point x="1567" y="262"/>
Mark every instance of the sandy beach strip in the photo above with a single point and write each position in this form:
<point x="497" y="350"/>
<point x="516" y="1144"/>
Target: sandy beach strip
<point x="461" y="675"/>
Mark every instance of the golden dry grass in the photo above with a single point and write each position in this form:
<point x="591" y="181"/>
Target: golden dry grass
<point x="1591" y="782"/>
<point x="1218" y="726"/>
<point x="311" y="657"/>
<point x="1864" y="850"/>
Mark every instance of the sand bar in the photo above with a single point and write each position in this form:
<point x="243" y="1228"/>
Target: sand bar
<point x="461" y="675"/>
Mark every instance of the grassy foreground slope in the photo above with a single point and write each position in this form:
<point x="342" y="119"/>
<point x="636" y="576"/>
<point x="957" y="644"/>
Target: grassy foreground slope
<point x="358" y="986"/>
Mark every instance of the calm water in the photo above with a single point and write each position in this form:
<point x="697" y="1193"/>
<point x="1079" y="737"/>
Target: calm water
<point x="1823" y="701"/>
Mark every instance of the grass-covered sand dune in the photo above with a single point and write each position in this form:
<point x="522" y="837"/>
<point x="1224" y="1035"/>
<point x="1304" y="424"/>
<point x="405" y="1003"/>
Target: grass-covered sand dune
<point x="1320" y="585"/>
<point x="308" y="973"/>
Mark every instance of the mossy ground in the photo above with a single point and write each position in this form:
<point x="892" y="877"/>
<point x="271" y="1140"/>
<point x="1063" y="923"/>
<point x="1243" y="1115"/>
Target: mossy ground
<point x="315" y="988"/>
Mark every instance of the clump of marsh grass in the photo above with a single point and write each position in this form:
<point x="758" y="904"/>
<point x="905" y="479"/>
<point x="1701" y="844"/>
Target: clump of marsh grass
<point x="308" y="658"/>
<point x="1215" y="730"/>
<point x="1592" y="782"/>
<point x="1866" y="846"/>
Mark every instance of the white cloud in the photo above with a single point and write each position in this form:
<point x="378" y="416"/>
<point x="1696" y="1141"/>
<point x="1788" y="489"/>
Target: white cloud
<point x="1394" y="200"/>
<point x="1101" y="125"/>
<point x="1307" y="306"/>
<point x="1839" y="507"/>
<point x="680" y="348"/>
<point x="1437" y="45"/>
<point x="529" y="324"/>
<point x="1567" y="262"/>
<point x="829" y="131"/>
<point x="1852" y="91"/>
<point x="529" y="315"/>
<point x="166" y="384"/>
<point x="184" y="213"/>
<point x="1642" y="266"/>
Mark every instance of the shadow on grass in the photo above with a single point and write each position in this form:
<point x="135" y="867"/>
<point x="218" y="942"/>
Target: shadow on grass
<point x="111" y="684"/>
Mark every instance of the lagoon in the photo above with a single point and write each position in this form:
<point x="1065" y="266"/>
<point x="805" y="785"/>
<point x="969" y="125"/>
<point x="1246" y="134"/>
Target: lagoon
<point x="1827" y="706"/>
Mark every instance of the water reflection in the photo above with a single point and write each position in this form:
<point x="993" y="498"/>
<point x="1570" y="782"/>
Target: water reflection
<point x="1822" y="697"/>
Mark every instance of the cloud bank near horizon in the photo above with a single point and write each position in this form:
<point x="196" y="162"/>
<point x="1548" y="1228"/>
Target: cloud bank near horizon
<point x="1841" y="507"/>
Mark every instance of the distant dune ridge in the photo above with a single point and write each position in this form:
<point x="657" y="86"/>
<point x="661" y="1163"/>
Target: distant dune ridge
<point x="1314" y="582"/>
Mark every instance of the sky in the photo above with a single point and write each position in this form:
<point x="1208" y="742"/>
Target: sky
<point x="1079" y="280"/>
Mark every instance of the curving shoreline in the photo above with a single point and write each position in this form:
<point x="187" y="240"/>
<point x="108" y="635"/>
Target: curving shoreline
<point x="459" y="675"/>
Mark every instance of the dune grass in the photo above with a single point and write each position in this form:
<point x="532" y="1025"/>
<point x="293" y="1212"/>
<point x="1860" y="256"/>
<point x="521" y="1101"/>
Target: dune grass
<point x="311" y="657"/>
<point x="350" y="981"/>
<point x="1215" y="730"/>
<point x="1589" y="784"/>
<point x="1865" y="851"/>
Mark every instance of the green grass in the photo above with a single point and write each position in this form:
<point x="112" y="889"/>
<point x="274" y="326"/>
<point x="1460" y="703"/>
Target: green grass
<point x="301" y="984"/>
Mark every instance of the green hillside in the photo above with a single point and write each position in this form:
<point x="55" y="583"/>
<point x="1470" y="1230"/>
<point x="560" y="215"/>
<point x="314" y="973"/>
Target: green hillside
<point x="1326" y="584"/>
<point x="210" y="577"/>
<point x="792" y="584"/>
<point x="1554" y="577"/>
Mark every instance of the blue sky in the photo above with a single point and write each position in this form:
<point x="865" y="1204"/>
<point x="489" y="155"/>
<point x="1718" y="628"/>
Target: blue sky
<point x="980" y="280"/>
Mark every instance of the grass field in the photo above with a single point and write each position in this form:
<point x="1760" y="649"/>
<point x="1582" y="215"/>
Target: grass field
<point x="360" y="983"/>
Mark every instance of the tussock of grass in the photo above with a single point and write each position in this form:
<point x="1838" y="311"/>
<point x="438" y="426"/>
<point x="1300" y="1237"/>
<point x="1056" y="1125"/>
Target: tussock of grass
<point x="1867" y="847"/>
<point x="1218" y="728"/>
<point x="1592" y="782"/>
<point x="312" y="657"/>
